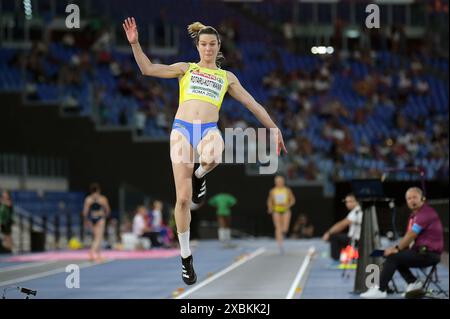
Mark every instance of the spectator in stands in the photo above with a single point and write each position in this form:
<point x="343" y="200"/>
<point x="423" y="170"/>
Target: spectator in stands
<point x="68" y="40"/>
<point x="157" y="224"/>
<point x="289" y="31"/>
<point x="6" y="221"/>
<point x="404" y="86"/>
<point x="141" y="226"/>
<point x="302" y="227"/>
<point x="156" y="216"/>
<point x="352" y="221"/>
<point x="140" y="118"/>
<point x="321" y="84"/>
<point x="425" y="234"/>
<point x="229" y="47"/>
<point x="377" y="80"/>
<point x="103" y="42"/>
<point x="421" y="87"/>
<point x="95" y="211"/>
<point x="161" y="26"/>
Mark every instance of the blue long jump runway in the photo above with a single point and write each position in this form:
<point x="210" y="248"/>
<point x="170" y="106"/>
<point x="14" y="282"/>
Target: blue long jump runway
<point x="252" y="269"/>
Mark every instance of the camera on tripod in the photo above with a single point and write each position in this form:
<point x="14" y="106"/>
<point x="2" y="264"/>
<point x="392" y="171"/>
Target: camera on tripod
<point x="26" y="291"/>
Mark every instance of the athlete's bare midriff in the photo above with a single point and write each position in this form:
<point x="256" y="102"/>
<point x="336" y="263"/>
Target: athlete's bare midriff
<point x="197" y="110"/>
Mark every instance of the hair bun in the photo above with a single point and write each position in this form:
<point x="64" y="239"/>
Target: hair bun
<point x="194" y="28"/>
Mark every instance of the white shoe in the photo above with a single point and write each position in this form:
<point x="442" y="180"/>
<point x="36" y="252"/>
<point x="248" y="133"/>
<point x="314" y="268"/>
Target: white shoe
<point x="417" y="285"/>
<point x="195" y="206"/>
<point x="374" y="293"/>
<point x="414" y="290"/>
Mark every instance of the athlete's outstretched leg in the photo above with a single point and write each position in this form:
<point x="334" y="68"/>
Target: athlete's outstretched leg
<point x="183" y="184"/>
<point x="181" y="154"/>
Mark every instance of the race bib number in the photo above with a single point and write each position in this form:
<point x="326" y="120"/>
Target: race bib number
<point x="207" y="85"/>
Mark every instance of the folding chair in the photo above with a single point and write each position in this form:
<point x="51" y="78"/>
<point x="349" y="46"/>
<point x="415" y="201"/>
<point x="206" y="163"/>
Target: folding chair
<point x="431" y="278"/>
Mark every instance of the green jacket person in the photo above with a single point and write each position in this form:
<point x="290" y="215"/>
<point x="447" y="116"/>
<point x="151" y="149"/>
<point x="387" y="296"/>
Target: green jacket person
<point x="223" y="202"/>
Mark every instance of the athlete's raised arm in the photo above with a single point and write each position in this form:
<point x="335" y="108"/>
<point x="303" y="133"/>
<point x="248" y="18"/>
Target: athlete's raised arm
<point x="145" y="65"/>
<point x="238" y="92"/>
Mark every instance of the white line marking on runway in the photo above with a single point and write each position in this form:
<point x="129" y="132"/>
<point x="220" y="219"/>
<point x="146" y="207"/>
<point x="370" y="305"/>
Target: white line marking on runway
<point x="46" y="273"/>
<point x="221" y="273"/>
<point x="24" y="266"/>
<point x="300" y="273"/>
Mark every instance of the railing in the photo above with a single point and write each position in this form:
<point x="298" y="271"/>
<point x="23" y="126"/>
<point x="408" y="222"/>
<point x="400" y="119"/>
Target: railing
<point x="31" y="165"/>
<point x="55" y="230"/>
<point x="55" y="233"/>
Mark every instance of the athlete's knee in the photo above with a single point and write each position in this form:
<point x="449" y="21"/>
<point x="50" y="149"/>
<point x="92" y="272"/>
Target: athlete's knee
<point x="211" y="151"/>
<point x="183" y="201"/>
<point x="208" y="166"/>
<point x="210" y="159"/>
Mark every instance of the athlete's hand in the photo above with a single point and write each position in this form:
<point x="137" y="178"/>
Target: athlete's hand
<point x="280" y="142"/>
<point x="130" y="28"/>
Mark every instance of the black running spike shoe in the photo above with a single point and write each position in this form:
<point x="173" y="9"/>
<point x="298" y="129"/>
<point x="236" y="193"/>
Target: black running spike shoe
<point x="188" y="273"/>
<point x="198" y="190"/>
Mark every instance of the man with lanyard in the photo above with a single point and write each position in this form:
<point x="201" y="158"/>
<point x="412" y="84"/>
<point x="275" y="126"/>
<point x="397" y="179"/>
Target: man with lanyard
<point x="425" y="230"/>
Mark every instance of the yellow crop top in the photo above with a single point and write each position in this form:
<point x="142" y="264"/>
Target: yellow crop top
<point x="280" y="199"/>
<point x="203" y="84"/>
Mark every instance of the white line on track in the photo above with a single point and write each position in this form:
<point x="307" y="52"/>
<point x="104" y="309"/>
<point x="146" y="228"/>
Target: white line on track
<point x="300" y="273"/>
<point x="223" y="272"/>
<point x="46" y="273"/>
<point x="24" y="266"/>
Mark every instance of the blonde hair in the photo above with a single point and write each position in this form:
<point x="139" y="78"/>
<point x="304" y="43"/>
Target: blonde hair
<point x="197" y="28"/>
<point x="194" y="29"/>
